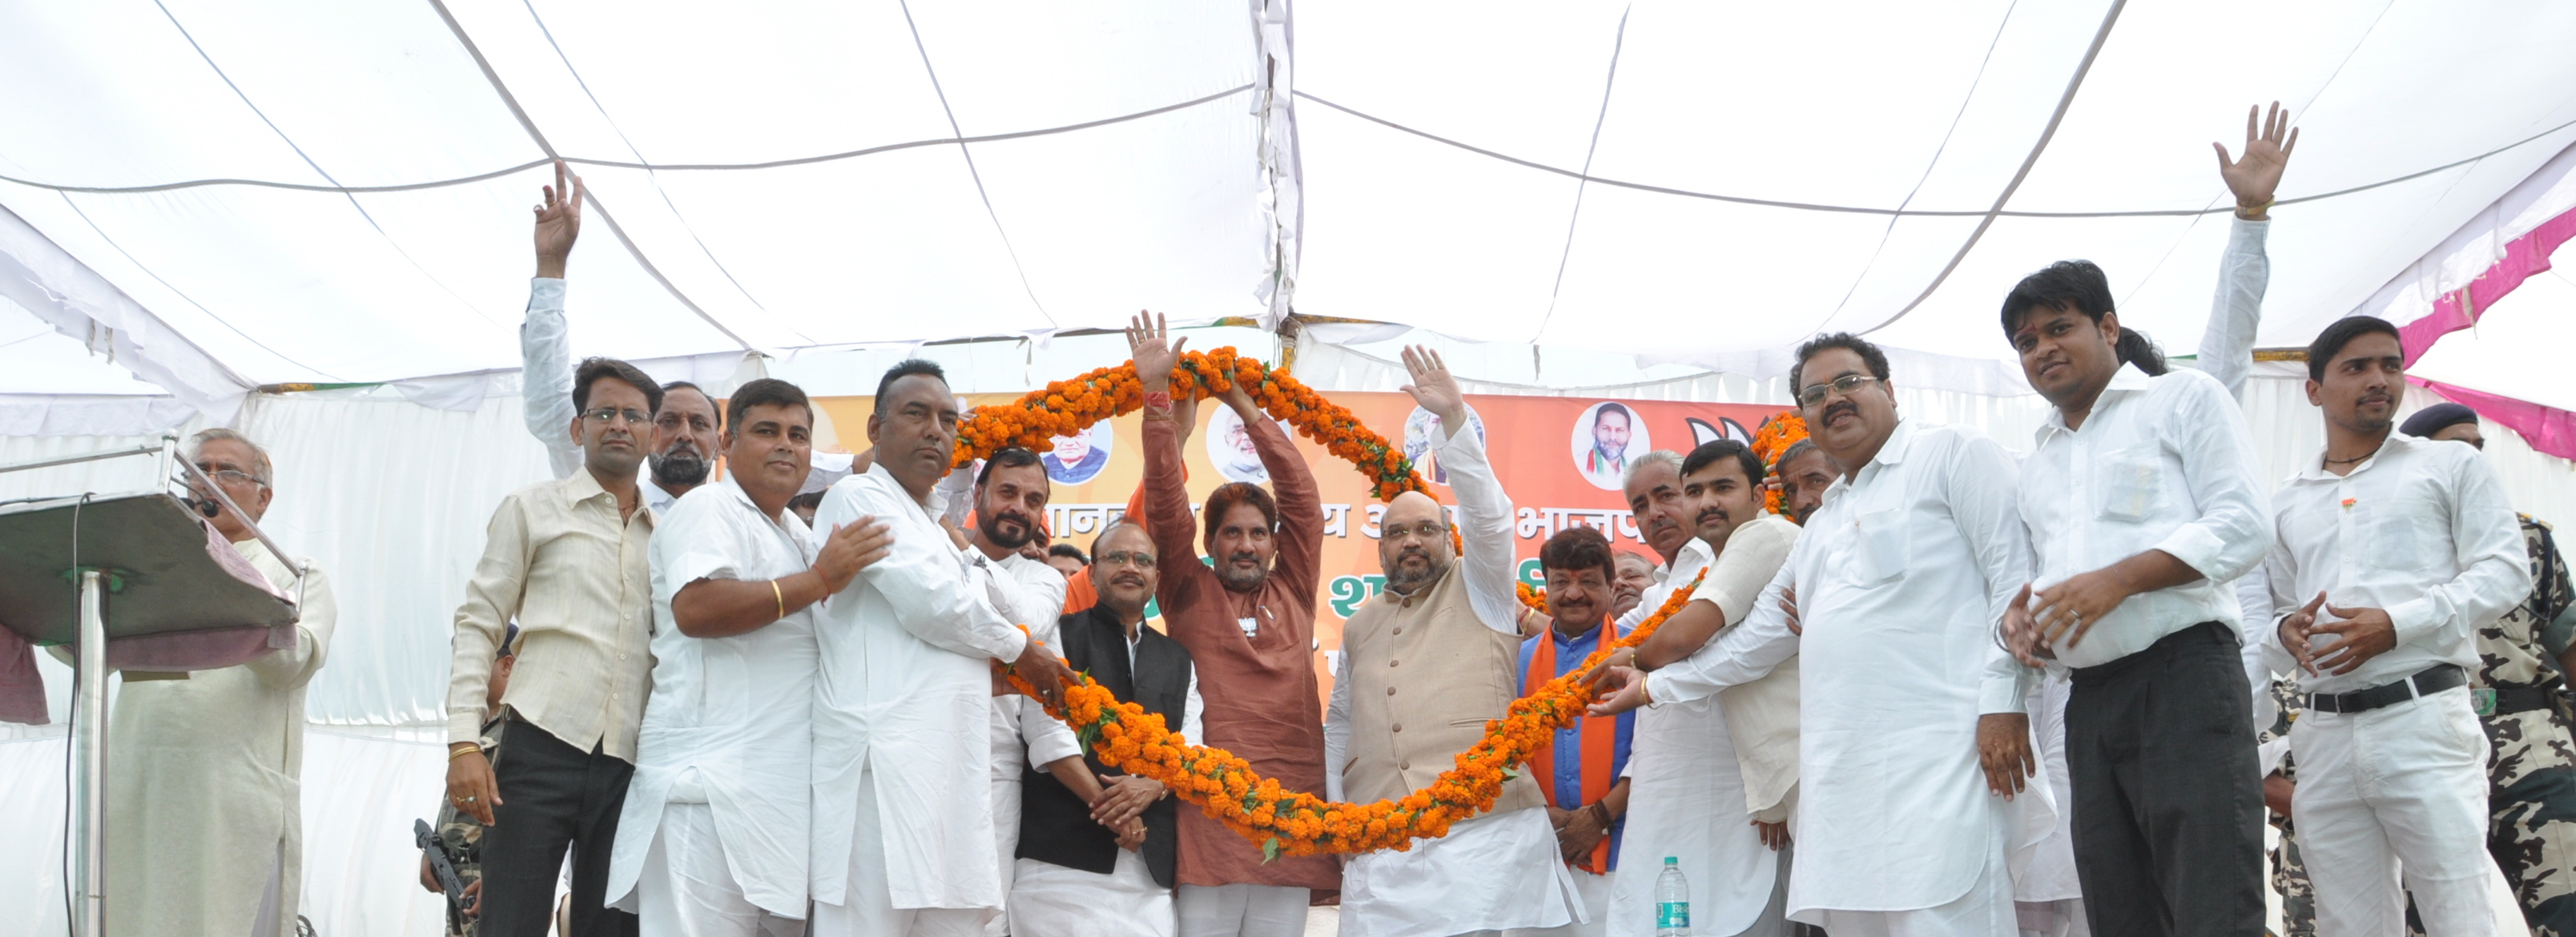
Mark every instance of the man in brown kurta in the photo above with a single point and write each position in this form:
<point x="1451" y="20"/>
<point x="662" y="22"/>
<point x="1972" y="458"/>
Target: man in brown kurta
<point x="1249" y="625"/>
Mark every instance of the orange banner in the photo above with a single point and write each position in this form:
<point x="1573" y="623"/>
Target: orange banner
<point x="1559" y="457"/>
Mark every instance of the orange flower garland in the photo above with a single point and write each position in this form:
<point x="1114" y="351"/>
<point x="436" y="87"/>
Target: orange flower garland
<point x="1778" y="433"/>
<point x="1296" y="823"/>
<point x="1066" y="407"/>
<point x="1533" y="597"/>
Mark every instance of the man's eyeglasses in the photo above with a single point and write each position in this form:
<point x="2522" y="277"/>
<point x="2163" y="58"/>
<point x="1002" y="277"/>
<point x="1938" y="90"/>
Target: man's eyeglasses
<point x="1814" y="394"/>
<point x="1122" y="557"/>
<point x="602" y="415"/>
<point x="1427" y="530"/>
<point x="230" y="476"/>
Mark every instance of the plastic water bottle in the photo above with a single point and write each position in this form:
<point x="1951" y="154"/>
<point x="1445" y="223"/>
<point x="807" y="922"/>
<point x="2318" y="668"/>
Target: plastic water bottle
<point x="1672" y="900"/>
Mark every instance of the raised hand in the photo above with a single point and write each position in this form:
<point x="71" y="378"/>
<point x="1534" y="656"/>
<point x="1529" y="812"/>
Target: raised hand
<point x="2267" y="151"/>
<point x="1044" y="672"/>
<point x="1153" y="349"/>
<point x="1434" y="388"/>
<point x="851" y="548"/>
<point x="558" y="223"/>
<point x="2294" y="632"/>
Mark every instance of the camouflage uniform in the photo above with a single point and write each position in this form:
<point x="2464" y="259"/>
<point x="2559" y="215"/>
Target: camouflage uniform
<point x="2289" y="873"/>
<point x="463" y="835"/>
<point x="2531" y="764"/>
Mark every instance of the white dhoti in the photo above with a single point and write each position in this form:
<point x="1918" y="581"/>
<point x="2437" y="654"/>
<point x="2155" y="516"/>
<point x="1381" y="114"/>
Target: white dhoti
<point x="1242" y="910"/>
<point x="1049" y="900"/>
<point x="1493" y="872"/>
<point x="870" y="910"/>
<point x="1686" y="800"/>
<point x="2401" y="785"/>
<point x="1986" y="910"/>
<point x="686" y="890"/>
<point x="1594" y="890"/>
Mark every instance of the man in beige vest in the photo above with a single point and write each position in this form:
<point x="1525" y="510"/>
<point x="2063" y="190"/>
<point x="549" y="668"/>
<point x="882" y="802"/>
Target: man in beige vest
<point x="1423" y="666"/>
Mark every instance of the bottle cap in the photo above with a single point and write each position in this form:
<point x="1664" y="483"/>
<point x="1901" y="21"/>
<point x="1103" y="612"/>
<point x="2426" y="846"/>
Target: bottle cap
<point x="1672" y="860"/>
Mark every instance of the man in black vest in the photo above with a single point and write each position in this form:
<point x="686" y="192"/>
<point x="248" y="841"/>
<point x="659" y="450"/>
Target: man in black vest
<point x="1097" y="850"/>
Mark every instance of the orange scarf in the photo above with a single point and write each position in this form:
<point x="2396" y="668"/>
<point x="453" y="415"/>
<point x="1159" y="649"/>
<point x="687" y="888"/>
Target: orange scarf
<point x="1600" y="744"/>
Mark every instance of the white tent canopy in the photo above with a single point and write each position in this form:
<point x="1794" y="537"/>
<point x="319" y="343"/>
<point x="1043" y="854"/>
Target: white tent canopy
<point x="333" y="192"/>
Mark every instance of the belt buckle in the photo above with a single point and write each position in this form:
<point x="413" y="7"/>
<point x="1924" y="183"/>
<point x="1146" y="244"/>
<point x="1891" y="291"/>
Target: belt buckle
<point x="2484" y="699"/>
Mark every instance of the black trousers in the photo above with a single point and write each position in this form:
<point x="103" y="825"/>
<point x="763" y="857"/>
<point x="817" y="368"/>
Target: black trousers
<point x="552" y="796"/>
<point x="2168" y="816"/>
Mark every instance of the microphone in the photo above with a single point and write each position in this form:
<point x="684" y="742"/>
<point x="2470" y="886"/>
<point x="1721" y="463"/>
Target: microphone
<point x="205" y="506"/>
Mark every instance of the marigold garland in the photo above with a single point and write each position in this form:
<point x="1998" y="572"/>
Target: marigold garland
<point x="1778" y="433"/>
<point x="1063" y="408"/>
<point x="1533" y="597"/>
<point x="1294" y="823"/>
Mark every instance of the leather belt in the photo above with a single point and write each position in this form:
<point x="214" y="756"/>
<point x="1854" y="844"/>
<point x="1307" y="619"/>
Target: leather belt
<point x="2507" y="700"/>
<point x="2426" y="682"/>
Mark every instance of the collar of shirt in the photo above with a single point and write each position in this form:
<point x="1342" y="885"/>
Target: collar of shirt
<point x="2124" y="382"/>
<point x="583" y="486"/>
<point x="1571" y="650"/>
<point x="928" y="504"/>
<point x="785" y="520"/>
<point x="2314" y="469"/>
<point x="1890" y="454"/>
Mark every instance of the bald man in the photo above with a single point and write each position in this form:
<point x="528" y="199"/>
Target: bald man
<point x="1423" y="666"/>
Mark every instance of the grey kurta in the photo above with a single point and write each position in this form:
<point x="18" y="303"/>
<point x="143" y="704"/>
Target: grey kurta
<point x="203" y="784"/>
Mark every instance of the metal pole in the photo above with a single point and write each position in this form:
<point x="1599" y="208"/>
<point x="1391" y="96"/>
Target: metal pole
<point x="89" y="746"/>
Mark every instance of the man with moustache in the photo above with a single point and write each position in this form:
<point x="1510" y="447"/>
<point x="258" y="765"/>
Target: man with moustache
<point x="1901" y="578"/>
<point x="716" y="818"/>
<point x="1010" y="495"/>
<point x="568" y="559"/>
<point x="1424" y="665"/>
<point x="2389" y="553"/>
<point x="1712" y="777"/>
<point x="1608" y="457"/>
<point x="1803" y="473"/>
<point x="1582" y="768"/>
<point x="685" y="424"/>
<point x="1095" y="860"/>
<point x="902" y="794"/>
<point x="1249" y="624"/>
<point x="2142" y="504"/>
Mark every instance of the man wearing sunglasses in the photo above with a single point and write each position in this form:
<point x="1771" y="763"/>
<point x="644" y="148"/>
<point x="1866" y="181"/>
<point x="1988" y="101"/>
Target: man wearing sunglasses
<point x="568" y="559"/>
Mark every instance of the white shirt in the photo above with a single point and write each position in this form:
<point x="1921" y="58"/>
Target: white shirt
<point x="729" y="722"/>
<point x="1484" y="519"/>
<point x="903" y="692"/>
<point x="1026" y="592"/>
<point x="2162" y="463"/>
<point x="1902" y="577"/>
<point x="545" y="388"/>
<point x="2435" y="545"/>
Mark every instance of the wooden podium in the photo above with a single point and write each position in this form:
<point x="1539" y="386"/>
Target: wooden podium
<point x="142" y="573"/>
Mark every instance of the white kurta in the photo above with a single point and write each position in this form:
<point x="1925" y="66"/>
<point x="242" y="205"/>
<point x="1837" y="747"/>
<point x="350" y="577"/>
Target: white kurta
<point x="1031" y="593"/>
<point x="1686" y="800"/>
<point x="904" y="694"/>
<point x="1902" y="577"/>
<point x="204" y="782"/>
<point x="2049" y="875"/>
<point x="729" y="723"/>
